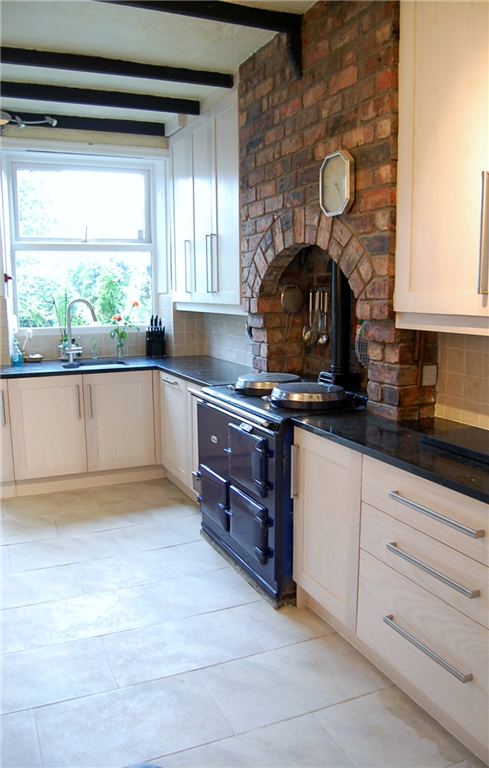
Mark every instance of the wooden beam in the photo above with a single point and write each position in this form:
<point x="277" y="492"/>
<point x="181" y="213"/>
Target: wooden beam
<point x="101" y="65"/>
<point x="110" y="125"/>
<point x="232" y="13"/>
<point x="64" y="95"/>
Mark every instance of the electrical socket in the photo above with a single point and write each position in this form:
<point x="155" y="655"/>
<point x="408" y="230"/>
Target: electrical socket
<point x="429" y="375"/>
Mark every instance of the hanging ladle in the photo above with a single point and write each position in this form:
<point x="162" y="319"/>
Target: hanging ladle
<point x="310" y="333"/>
<point x="292" y="300"/>
<point x="323" y="337"/>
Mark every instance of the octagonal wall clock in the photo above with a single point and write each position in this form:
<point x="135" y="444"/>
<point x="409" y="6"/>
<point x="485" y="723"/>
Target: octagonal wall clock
<point x="337" y="183"/>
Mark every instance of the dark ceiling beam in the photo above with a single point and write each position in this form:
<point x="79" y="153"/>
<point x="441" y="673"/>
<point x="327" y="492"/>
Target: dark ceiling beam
<point x="101" y="65"/>
<point x="110" y="125"/>
<point x="64" y="95"/>
<point x="232" y="13"/>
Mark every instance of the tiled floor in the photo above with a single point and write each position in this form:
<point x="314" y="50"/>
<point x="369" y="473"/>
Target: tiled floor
<point x="127" y="639"/>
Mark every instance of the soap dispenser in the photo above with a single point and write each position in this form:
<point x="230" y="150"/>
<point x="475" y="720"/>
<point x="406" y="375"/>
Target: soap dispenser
<point x="16" y="355"/>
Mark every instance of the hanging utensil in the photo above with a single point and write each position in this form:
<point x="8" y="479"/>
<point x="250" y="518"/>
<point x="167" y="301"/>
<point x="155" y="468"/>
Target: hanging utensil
<point x="292" y="300"/>
<point x="307" y="331"/>
<point x="323" y="337"/>
<point x="361" y="343"/>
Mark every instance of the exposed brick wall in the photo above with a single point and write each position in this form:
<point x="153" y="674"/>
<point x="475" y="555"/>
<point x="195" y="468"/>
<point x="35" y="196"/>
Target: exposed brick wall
<point x="347" y="98"/>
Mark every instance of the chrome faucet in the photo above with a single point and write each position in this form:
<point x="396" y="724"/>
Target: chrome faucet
<point x="73" y="349"/>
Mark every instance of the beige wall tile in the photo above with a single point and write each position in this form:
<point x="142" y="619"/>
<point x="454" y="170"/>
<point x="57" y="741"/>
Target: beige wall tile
<point x="463" y="379"/>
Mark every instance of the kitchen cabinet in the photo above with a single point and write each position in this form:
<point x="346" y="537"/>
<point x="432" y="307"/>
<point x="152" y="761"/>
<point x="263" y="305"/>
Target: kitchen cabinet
<point x="443" y="150"/>
<point x="7" y="464"/>
<point x="48" y="426"/>
<point x="65" y="425"/>
<point x="179" y="428"/>
<point x="119" y="420"/>
<point x="205" y="208"/>
<point x="327" y="523"/>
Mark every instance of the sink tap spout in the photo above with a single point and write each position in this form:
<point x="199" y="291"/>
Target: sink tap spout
<point x="72" y="349"/>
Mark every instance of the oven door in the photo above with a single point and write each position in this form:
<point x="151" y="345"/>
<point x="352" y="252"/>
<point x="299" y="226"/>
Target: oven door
<point x="248" y="459"/>
<point x="214" y="497"/>
<point x="249" y="525"/>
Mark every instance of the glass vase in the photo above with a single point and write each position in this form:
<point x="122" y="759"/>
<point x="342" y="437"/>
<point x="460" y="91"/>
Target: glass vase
<point x="119" y="348"/>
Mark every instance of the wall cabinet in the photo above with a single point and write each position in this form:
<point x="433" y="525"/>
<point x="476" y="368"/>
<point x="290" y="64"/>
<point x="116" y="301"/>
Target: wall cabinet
<point x="327" y="523"/>
<point x="179" y="428"/>
<point x="205" y="208"/>
<point x="443" y="150"/>
<point x="7" y="465"/>
<point x="65" y="425"/>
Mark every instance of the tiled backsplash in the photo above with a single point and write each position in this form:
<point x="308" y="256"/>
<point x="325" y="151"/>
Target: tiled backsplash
<point x="227" y="339"/>
<point x="45" y="341"/>
<point x="463" y="379"/>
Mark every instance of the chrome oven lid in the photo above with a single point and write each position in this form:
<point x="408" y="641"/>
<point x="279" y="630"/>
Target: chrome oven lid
<point x="262" y="383"/>
<point x="305" y="395"/>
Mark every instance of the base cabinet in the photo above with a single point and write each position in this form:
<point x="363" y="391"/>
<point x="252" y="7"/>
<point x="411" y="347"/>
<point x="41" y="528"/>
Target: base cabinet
<point x="66" y="425"/>
<point x="327" y="523"/>
<point x="7" y="462"/>
<point x="179" y="428"/>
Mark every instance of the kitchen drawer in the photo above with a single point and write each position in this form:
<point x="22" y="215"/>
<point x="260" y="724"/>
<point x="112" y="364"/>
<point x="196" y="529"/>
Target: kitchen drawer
<point x="379" y="530"/>
<point x="456" y="639"/>
<point x="380" y="480"/>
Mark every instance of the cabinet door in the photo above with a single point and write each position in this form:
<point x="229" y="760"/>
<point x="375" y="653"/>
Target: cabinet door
<point x="443" y="149"/>
<point x="174" y="426"/>
<point x="182" y="216"/>
<point x="47" y="425"/>
<point x="119" y="420"/>
<point x="7" y="464"/>
<point x="327" y="524"/>
<point x="193" y="430"/>
<point x="203" y="234"/>
<point x="226" y="247"/>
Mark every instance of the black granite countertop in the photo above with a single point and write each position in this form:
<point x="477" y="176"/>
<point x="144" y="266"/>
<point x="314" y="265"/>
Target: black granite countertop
<point x="402" y="447"/>
<point x="200" y="369"/>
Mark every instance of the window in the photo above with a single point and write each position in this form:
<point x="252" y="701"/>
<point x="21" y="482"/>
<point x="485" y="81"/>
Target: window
<point x="81" y="227"/>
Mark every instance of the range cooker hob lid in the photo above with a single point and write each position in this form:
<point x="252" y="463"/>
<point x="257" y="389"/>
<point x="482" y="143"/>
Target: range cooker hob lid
<point x="311" y="395"/>
<point x="262" y="383"/>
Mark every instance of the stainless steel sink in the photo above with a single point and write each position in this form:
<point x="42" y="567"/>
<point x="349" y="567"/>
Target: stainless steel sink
<point x="93" y="363"/>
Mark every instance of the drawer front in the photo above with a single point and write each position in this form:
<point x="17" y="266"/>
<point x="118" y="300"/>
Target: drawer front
<point x="452" y="576"/>
<point x="388" y="489"/>
<point x="455" y="639"/>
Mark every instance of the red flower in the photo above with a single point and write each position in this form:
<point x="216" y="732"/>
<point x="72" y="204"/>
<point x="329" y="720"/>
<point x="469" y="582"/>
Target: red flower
<point x="117" y="318"/>
<point x="135" y="303"/>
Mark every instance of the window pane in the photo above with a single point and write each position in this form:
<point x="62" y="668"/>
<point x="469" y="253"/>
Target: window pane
<point x="82" y="204"/>
<point x="110" y="281"/>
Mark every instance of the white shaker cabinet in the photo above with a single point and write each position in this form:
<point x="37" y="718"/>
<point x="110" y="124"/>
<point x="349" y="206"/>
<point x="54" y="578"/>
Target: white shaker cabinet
<point x="205" y="208"/>
<point x="327" y="523"/>
<point x="179" y="428"/>
<point x="48" y="426"/>
<point x="7" y="464"/>
<point x="119" y="420"/>
<point x="443" y="151"/>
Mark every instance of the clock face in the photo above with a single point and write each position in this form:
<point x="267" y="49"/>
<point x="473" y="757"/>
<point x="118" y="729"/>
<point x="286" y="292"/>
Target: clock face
<point x="336" y="183"/>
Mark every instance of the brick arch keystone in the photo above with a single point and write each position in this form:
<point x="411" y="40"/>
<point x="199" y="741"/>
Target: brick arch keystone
<point x="290" y="233"/>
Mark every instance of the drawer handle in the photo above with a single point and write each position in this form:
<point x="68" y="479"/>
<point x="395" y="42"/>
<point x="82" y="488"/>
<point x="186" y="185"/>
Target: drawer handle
<point x="396" y="496"/>
<point x="463" y="678"/>
<point x="78" y="402"/>
<point x="470" y="593"/>
<point x="169" y="381"/>
<point x="4" y="415"/>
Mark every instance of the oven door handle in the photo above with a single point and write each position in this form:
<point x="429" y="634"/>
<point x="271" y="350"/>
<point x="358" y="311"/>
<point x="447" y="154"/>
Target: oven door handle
<point x="231" y="410"/>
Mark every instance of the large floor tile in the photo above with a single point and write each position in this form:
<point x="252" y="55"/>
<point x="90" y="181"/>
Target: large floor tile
<point x="290" y="681"/>
<point x="203" y="556"/>
<point x="28" y="528"/>
<point x="133" y="570"/>
<point x="63" y="551"/>
<point x="71" y="501"/>
<point x="11" y="635"/>
<point x="101" y="518"/>
<point x="40" y="586"/>
<point x="48" y="675"/>
<point x="25" y="506"/>
<point x="274" y="629"/>
<point x="177" y="646"/>
<point x="6" y="565"/>
<point x="388" y="729"/>
<point x="296" y="743"/>
<point x="170" y="533"/>
<point x="162" y="509"/>
<point x="129" y="725"/>
<point x="192" y="595"/>
<point x="88" y="616"/>
<point x="19" y="743"/>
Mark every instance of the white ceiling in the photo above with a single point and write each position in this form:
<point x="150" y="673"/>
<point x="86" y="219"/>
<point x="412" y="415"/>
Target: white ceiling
<point x="127" y="33"/>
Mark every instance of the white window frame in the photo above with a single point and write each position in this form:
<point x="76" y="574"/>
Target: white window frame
<point x="153" y="163"/>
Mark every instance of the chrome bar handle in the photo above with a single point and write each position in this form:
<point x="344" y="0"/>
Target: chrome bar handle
<point x="4" y="414"/>
<point x="208" y="290"/>
<point x="459" y="675"/>
<point x="78" y="402"/>
<point x="294" y="471"/>
<point x="483" y="287"/>
<point x="474" y="534"/>
<point x="214" y="286"/>
<point x="169" y="381"/>
<point x="470" y="593"/>
<point x="188" y="281"/>
<point x="90" y="403"/>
